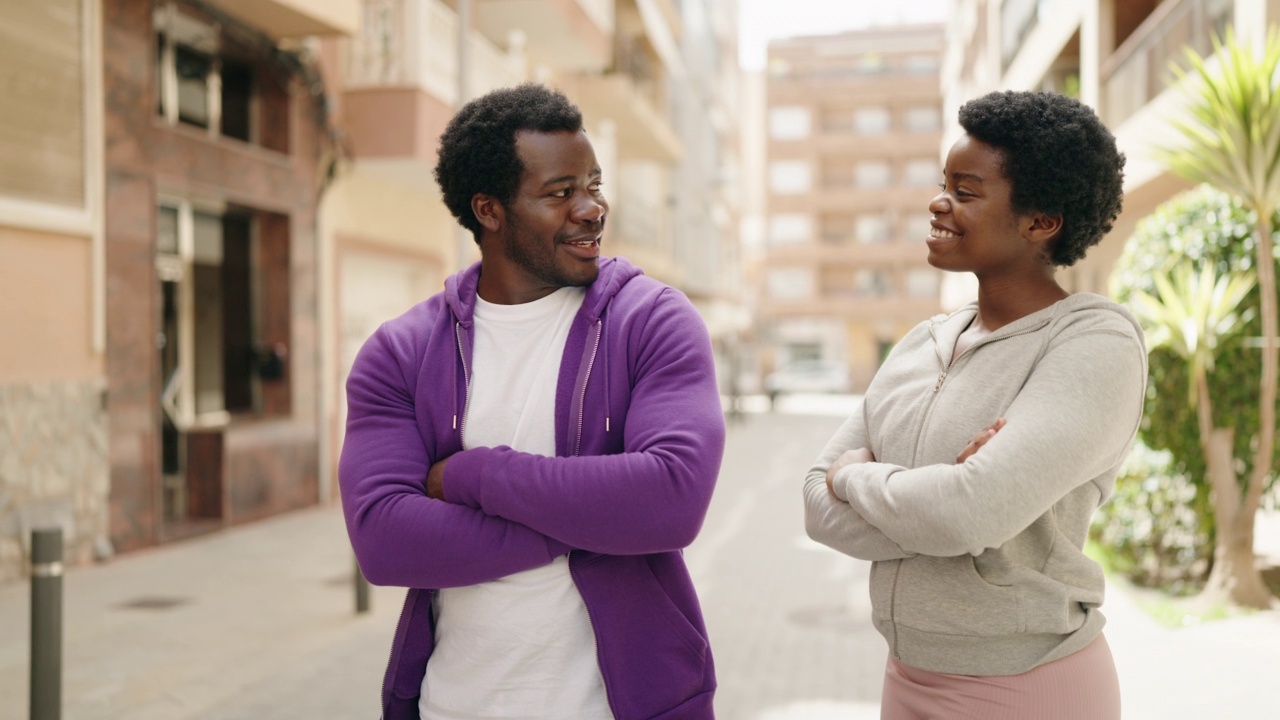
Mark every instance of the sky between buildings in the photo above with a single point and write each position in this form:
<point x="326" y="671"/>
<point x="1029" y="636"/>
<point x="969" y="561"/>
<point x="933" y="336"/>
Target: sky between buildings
<point x="763" y="20"/>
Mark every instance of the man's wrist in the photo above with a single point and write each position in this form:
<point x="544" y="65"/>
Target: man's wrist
<point x="435" y="480"/>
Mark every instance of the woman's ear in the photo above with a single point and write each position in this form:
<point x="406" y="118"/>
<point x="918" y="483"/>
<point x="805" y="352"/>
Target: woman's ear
<point x="488" y="211"/>
<point x="1043" y="228"/>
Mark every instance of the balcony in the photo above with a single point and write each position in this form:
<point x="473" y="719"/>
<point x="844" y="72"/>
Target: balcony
<point x="415" y="43"/>
<point x="401" y="83"/>
<point x="295" y="18"/>
<point x="1139" y="70"/>
<point x="571" y="35"/>
<point x="632" y="96"/>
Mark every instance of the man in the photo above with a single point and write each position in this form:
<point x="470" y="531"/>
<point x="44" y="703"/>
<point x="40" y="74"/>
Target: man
<point x="530" y="449"/>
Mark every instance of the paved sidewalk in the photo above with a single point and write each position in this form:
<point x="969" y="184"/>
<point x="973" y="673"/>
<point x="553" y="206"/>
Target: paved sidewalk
<point x="258" y="623"/>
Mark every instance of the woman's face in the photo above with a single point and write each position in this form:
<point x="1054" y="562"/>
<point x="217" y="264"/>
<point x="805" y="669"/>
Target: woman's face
<point x="974" y="227"/>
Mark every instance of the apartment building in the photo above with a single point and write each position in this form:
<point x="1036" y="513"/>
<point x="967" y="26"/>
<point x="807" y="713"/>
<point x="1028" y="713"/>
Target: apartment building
<point x="162" y="163"/>
<point x="1115" y="55"/>
<point x="217" y="143"/>
<point x="853" y="127"/>
<point x="654" y="81"/>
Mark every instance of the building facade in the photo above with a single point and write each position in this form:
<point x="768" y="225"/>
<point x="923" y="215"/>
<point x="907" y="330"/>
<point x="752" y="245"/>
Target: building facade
<point x="162" y="164"/>
<point x="853" y="126"/>
<point x="53" y="374"/>
<point x="217" y="143"/>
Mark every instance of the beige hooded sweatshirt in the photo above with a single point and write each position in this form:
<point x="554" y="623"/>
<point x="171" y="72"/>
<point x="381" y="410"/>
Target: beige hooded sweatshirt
<point x="978" y="568"/>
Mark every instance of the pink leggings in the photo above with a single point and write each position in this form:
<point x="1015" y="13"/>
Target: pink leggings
<point x="1081" y="686"/>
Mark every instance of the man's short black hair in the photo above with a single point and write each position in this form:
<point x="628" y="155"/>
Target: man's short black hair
<point x="478" y="147"/>
<point x="1059" y="159"/>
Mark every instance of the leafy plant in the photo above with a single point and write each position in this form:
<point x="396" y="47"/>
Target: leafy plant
<point x="1150" y="532"/>
<point x="1231" y="140"/>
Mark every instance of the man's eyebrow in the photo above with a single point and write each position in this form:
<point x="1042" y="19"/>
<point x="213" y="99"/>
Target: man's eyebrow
<point x="559" y="180"/>
<point x="595" y="173"/>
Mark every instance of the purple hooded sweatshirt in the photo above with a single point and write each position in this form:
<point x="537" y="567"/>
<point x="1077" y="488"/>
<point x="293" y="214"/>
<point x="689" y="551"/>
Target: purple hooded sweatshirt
<point x="639" y="439"/>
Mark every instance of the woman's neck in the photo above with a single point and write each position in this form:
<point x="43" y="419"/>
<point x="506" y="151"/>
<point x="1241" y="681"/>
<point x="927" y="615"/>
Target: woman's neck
<point x="1000" y="303"/>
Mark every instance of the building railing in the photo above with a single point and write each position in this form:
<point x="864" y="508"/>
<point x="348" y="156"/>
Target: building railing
<point x="415" y="43"/>
<point x="1141" y="68"/>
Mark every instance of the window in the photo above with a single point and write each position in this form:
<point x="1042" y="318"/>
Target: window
<point x="789" y="228"/>
<point x="921" y="64"/>
<point x="917" y="228"/>
<point x="922" y="283"/>
<point x="922" y="119"/>
<point x="921" y="173"/>
<point x="790" y="283"/>
<point x="873" y="229"/>
<point x="790" y="177"/>
<point x="872" y="174"/>
<point x="872" y="283"/>
<point x="207" y="81"/>
<point x="789" y="123"/>
<point x="42" y="116"/>
<point x="222" y="340"/>
<point x="871" y="64"/>
<point x="871" y="121"/>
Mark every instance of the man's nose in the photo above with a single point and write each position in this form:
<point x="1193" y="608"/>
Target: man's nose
<point x="592" y="209"/>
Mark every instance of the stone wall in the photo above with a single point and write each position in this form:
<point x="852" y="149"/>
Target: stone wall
<point x="54" y="470"/>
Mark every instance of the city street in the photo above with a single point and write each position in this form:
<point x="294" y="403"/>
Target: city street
<point x="257" y="623"/>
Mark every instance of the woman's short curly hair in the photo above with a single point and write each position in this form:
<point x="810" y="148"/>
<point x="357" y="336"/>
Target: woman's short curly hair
<point x="478" y="148"/>
<point x="1059" y="159"/>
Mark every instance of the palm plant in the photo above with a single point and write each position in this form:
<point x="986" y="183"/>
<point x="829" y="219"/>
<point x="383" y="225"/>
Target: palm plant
<point x="1232" y="141"/>
<point x="1191" y="314"/>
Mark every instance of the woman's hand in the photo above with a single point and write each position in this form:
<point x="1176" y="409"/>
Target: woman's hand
<point x="979" y="440"/>
<point x="848" y="457"/>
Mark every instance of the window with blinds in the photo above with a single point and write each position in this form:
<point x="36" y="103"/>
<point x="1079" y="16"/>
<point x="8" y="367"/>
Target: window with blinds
<point x="42" y="115"/>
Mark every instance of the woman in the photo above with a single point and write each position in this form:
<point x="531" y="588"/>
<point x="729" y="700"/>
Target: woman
<point x="989" y="436"/>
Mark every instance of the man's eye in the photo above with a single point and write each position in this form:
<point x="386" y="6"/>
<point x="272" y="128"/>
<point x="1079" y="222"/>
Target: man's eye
<point x="563" y="193"/>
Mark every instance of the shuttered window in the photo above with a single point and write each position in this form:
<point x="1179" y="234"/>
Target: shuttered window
<point x="42" y="102"/>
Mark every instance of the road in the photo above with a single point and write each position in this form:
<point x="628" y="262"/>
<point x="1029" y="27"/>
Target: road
<point x="257" y="622"/>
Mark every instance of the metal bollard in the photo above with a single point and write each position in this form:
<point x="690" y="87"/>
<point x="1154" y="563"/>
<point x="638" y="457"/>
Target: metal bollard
<point x="362" y="591"/>
<point x="46" y="624"/>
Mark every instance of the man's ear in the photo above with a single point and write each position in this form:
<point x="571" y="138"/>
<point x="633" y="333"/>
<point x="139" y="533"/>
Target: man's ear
<point x="488" y="211"/>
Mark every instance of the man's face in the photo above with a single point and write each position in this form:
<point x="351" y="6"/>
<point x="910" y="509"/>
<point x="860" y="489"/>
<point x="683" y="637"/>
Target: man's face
<point x="550" y="235"/>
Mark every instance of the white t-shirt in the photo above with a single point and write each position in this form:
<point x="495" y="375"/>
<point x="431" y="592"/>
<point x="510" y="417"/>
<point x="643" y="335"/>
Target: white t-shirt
<point x="519" y="646"/>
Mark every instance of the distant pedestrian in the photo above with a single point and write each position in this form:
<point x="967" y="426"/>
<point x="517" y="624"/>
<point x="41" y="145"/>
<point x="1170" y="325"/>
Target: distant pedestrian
<point x="990" y="435"/>
<point x="530" y="449"/>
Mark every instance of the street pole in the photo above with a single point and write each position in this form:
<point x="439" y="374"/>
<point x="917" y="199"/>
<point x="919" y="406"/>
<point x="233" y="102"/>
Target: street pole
<point x="362" y="591"/>
<point x="46" y="624"/>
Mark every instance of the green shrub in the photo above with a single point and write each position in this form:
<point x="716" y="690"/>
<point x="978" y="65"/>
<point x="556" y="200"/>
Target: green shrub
<point x="1150" y="531"/>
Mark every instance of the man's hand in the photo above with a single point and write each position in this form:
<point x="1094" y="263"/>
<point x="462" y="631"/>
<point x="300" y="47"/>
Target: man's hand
<point x="979" y="440"/>
<point x="435" y="480"/>
<point x="849" y="457"/>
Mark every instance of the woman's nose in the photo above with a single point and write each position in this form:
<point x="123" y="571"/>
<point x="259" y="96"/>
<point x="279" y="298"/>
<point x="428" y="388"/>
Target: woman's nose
<point x="940" y="203"/>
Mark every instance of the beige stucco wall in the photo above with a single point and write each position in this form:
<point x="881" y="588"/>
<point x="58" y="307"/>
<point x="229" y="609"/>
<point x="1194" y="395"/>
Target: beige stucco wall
<point x="46" y="313"/>
<point x="391" y="213"/>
